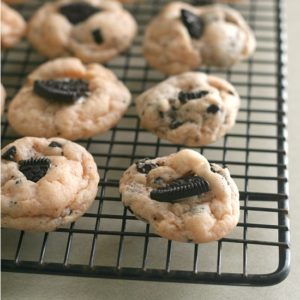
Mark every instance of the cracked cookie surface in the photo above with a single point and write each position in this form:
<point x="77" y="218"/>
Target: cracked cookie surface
<point x="45" y="183"/>
<point x="96" y="111"/>
<point x="192" y="108"/>
<point x="183" y="37"/>
<point x="100" y="32"/>
<point x="199" y="218"/>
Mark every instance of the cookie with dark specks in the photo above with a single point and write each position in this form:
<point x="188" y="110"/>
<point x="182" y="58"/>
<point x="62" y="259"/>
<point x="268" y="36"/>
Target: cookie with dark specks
<point x="92" y="30"/>
<point x="66" y="98"/>
<point x="183" y="37"/>
<point x="192" y="108"/>
<point x="45" y="183"/>
<point x="184" y="198"/>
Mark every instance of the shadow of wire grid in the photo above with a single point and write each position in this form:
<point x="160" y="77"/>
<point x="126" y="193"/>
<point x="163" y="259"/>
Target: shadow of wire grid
<point x="108" y="241"/>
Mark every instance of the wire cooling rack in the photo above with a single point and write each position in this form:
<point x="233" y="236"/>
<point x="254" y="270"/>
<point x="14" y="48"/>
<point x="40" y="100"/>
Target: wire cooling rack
<point x="108" y="241"/>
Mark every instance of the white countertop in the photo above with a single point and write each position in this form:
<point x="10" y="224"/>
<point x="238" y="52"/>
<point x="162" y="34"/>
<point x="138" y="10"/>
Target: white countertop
<point x="26" y="286"/>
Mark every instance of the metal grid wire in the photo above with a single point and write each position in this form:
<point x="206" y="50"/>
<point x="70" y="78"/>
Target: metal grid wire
<point x="108" y="241"/>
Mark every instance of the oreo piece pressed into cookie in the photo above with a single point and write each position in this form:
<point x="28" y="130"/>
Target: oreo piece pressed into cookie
<point x="180" y="188"/>
<point x="186" y="96"/>
<point x="64" y="90"/>
<point x="34" y="168"/>
<point x="193" y="23"/>
<point x="78" y="12"/>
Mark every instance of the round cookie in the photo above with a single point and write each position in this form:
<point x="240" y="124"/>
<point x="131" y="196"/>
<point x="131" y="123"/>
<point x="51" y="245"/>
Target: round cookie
<point x="2" y="97"/>
<point x="192" y="108"/>
<point x="45" y="183"/>
<point x="182" y="196"/>
<point x="183" y="37"/>
<point x="13" y="26"/>
<point x="100" y="32"/>
<point x="65" y="98"/>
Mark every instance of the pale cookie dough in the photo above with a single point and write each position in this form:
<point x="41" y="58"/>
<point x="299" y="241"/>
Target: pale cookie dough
<point x="218" y="36"/>
<point x="98" y="110"/>
<point x="2" y="97"/>
<point x="13" y="26"/>
<point x="56" y="185"/>
<point x="200" y="218"/>
<point x="192" y="108"/>
<point x="104" y="30"/>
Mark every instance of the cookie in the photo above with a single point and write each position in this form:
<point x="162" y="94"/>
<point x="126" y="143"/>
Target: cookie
<point x="183" y="37"/>
<point x="45" y="183"/>
<point x="2" y="97"/>
<point x="182" y="196"/>
<point x="98" y="33"/>
<point x="13" y="26"/>
<point x="193" y="108"/>
<point x="66" y="98"/>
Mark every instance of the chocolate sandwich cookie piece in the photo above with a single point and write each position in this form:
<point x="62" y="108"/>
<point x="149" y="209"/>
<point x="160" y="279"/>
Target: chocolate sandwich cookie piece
<point x="64" y="90"/>
<point x="193" y="109"/>
<point x="184" y="198"/>
<point x="180" y="188"/>
<point x="34" y="168"/>
<point x="43" y="187"/>
<point x="183" y="37"/>
<point x="78" y="11"/>
<point x="92" y="30"/>
<point x="193" y="23"/>
<point x="66" y="98"/>
<point x="13" y="26"/>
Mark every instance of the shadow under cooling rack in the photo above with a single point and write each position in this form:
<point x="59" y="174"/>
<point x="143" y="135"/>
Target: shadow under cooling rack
<point x="108" y="241"/>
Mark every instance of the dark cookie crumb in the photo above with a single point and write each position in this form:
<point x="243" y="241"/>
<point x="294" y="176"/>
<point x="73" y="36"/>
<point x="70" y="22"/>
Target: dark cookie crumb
<point x="54" y="144"/>
<point x="193" y="23"/>
<point x="145" y="167"/>
<point x="10" y="154"/>
<point x="186" y="96"/>
<point x="78" y="12"/>
<point x="175" y="124"/>
<point x="213" y="109"/>
<point x="212" y="168"/>
<point x="34" y="168"/>
<point x="63" y="90"/>
<point x="161" y="114"/>
<point x="97" y="35"/>
<point x="180" y="188"/>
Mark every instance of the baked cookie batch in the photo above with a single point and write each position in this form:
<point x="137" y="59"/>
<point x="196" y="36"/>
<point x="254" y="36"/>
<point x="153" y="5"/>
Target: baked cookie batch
<point x="48" y="181"/>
